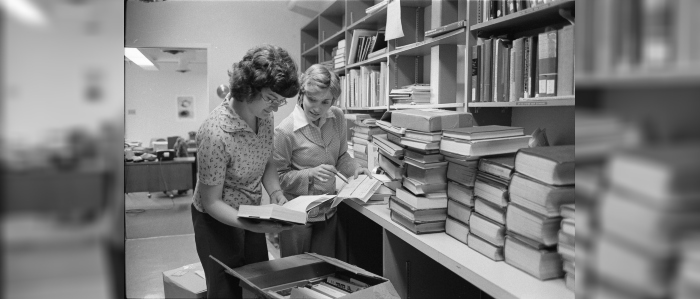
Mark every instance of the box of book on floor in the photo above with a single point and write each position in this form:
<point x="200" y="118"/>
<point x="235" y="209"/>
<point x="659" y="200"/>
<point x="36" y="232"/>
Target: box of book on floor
<point x="185" y="282"/>
<point x="542" y="183"/>
<point x="310" y="275"/>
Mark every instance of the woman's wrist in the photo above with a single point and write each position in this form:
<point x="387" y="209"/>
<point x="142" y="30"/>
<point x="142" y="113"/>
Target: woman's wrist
<point x="272" y="195"/>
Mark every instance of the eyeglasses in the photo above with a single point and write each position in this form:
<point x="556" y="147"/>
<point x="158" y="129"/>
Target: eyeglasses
<point x="277" y="103"/>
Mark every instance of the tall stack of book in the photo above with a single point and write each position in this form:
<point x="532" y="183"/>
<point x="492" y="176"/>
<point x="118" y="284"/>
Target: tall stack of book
<point x="567" y="244"/>
<point x="339" y="58"/>
<point x="424" y="186"/>
<point x="650" y="205"/>
<point x="461" y="174"/>
<point x="391" y="151"/>
<point x="488" y="222"/>
<point x="543" y="182"/>
<point x="410" y="94"/>
<point x="364" y="151"/>
<point x="589" y="188"/>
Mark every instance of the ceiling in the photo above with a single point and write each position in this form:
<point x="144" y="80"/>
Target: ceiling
<point x="177" y="59"/>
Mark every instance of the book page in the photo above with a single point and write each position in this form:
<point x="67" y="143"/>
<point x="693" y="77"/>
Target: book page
<point x="366" y="189"/>
<point x="347" y="191"/>
<point x="394" y="29"/>
<point x="306" y="202"/>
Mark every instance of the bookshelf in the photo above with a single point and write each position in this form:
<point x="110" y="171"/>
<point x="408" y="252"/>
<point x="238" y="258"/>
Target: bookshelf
<point x="444" y="61"/>
<point x="408" y="60"/>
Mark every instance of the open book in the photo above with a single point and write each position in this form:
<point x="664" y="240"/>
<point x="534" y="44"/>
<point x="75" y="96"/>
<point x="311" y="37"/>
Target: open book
<point x="293" y="212"/>
<point x="361" y="188"/>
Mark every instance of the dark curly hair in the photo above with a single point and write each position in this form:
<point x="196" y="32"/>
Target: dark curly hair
<point x="264" y="66"/>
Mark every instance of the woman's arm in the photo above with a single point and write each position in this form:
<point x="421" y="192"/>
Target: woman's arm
<point x="271" y="182"/>
<point x="345" y="164"/>
<point x="291" y="181"/>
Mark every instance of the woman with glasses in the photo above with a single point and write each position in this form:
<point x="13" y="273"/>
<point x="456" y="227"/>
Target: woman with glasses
<point x="234" y="148"/>
<point x="310" y="148"/>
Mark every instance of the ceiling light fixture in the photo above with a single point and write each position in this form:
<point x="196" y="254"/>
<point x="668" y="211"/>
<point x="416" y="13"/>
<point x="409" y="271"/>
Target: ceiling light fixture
<point x="141" y="60"/>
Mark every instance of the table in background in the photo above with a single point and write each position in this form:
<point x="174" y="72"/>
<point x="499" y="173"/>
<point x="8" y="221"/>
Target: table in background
<point x="160" y="176"/>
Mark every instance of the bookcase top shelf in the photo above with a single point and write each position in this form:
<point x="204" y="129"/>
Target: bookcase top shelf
<point x="311" y="52"/>
<point x="456" y="37"/>
<point x="564" y="101"/>
<point x="333" y="39"/>
<point x="531" y="18"/>
<point x="498" y="279"/>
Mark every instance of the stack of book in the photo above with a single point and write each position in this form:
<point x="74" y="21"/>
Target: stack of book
<point x="424" y="185"/>
<point x="339" y="58"/>
<point x="410" y="94"/>
<point x="488" y="222"/>
<point x="543" y="182"/>
<point x="364" y="150"/>
<point x="589" y="188"/>
<point x="650" y="205"/>
<point x="391" y="152"/>
<point x="461" y="175"/>
<point x="567" y="244"/>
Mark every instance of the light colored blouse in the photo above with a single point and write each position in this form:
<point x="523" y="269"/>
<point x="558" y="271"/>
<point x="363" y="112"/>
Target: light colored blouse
<point x="300" y="145"/>
<point x="230" y="153"/>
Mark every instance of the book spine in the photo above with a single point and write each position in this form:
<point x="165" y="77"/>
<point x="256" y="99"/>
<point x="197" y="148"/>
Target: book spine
<point x="505" y="79"/>
<point x="494" y="69"/>
<point x="547" y="63"/>
<point x="532" y="69"/>
<point x="518" y="69"/>
<point x="565" y="65"/>
<point x="476" y="53"/>
<point x="486" y="78"/>
<point x="512" y="96"/>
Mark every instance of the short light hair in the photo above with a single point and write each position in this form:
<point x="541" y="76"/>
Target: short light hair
<point x="319" y="78"/>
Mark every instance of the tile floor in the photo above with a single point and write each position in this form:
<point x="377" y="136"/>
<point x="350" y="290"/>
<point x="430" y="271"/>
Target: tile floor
<point x="159" y="237"/>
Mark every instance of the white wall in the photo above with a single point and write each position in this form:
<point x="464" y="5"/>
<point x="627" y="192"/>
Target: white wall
<point x="229" y="29"/>
<point x="153" y="96"/>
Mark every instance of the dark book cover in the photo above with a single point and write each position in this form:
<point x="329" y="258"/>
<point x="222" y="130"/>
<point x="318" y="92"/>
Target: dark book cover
<point x="517" y="80"/>
<point x="476" y="80"/>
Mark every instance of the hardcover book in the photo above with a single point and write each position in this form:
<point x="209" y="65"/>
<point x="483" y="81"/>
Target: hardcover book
<point x="484" y="247"/>
<point x="543" y="264"/>
<point x="552" y="165"/>
<point x="421" y="202"/>
<point x="460" y="193"/>
<point x="457" y="229"/>
<point x="487" y="229"/>
<point x="540" y="197"/>
<point x="458" y="211"/>
<point x="483" y="132"/>
<point x="547" y="64"/>
<point x="416" y="215"/>
<point x="418" y="228"/>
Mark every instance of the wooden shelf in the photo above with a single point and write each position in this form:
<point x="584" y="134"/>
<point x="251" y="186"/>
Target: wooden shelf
<point x="311" y="52"/>
<point x="370" y="21"/>
<point x="427" y="106"/>
<point x="373" y="60"/>
<point x="456" y="37"/>
<point x="640" y="79"/>
<point x="340" y="71"/>
<point x="333" y="39"/>
<point x="564" y="101"/>
<point x="498" y="279"/>
<point x="531" y="18"/>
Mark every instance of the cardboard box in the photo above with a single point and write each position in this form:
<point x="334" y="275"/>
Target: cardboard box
<point x="431" y="120"/>
<point x="185" y="282"/>
<point x="259" y="278"/>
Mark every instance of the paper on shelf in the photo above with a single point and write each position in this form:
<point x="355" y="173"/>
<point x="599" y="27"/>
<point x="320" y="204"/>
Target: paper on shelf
<point x="393" y="21"/>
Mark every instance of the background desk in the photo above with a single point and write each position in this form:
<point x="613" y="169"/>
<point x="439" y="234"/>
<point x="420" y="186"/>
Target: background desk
<point x="160" y="176"/>
<point x="433" y="265"/>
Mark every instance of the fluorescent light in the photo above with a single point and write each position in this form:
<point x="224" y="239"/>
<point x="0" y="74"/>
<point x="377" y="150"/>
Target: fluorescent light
<point x="137" y="57"/>
<point x="26" y="11"/>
